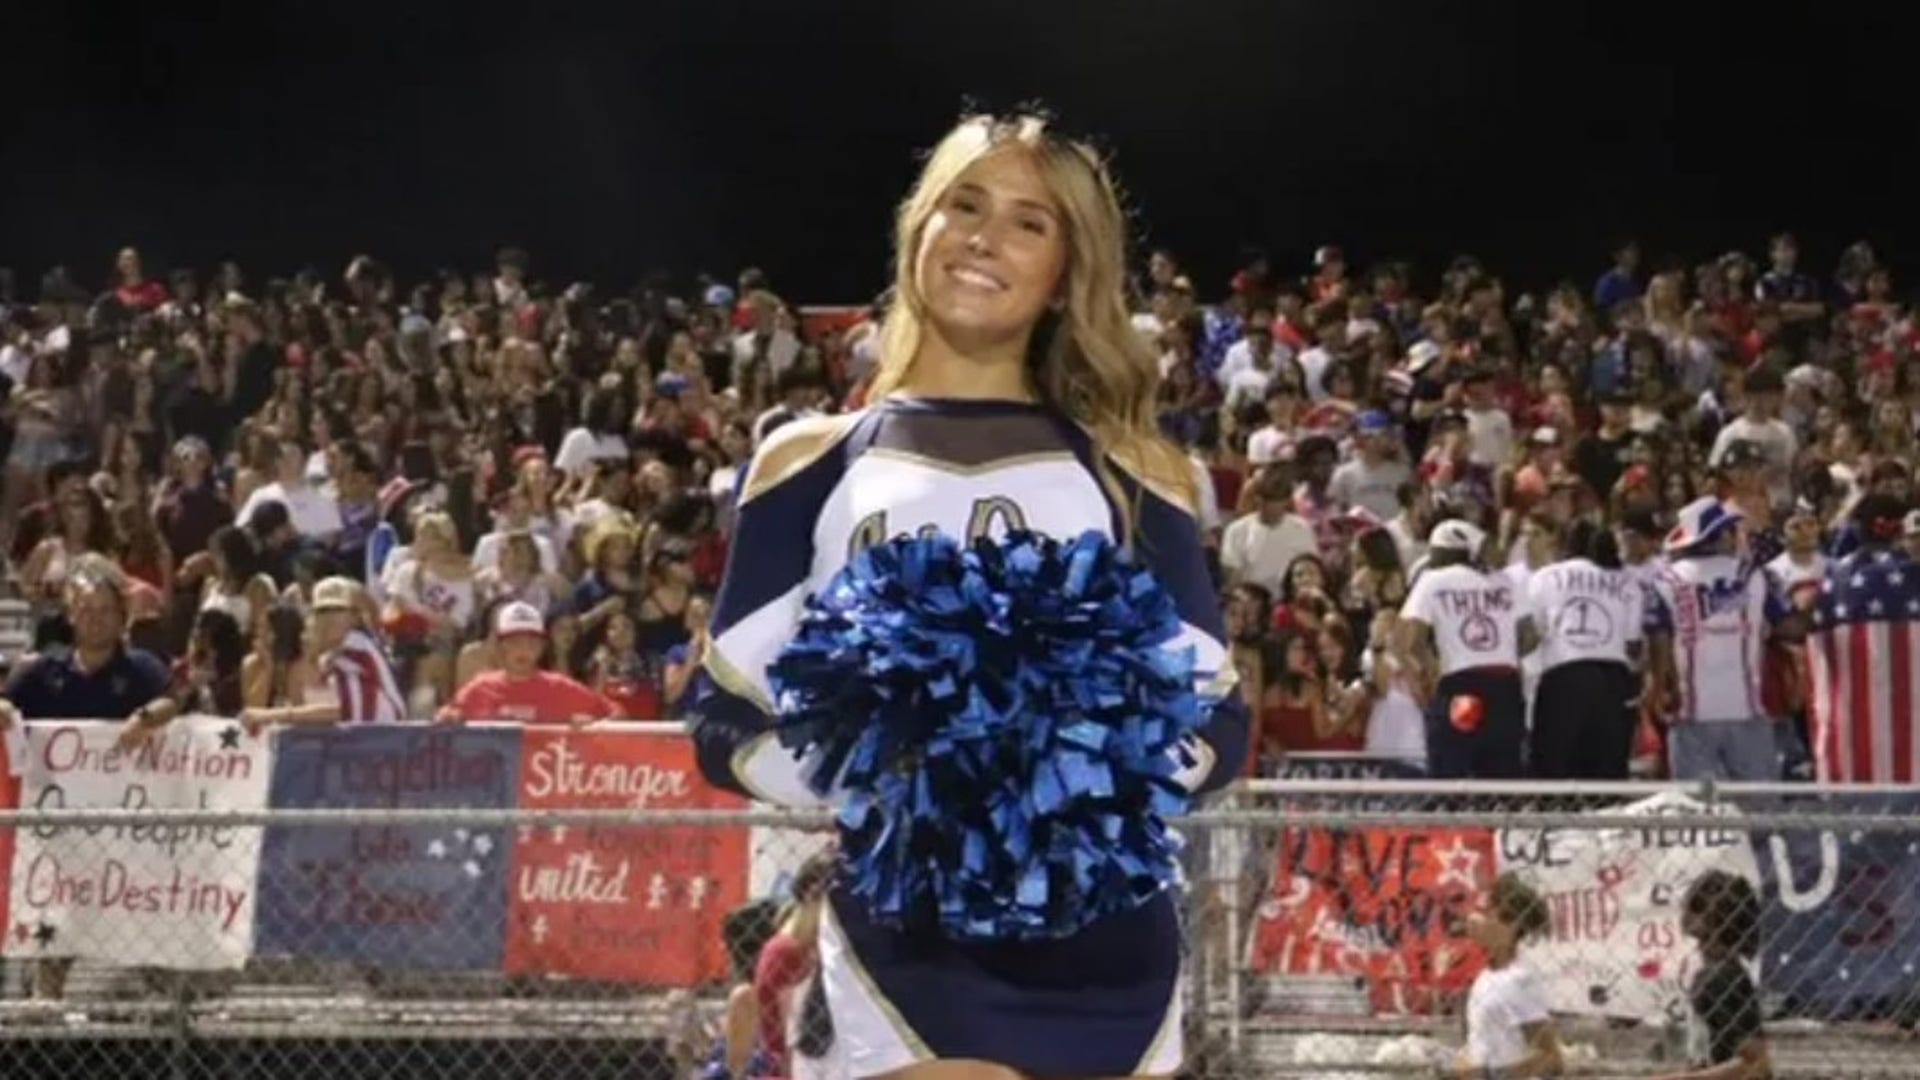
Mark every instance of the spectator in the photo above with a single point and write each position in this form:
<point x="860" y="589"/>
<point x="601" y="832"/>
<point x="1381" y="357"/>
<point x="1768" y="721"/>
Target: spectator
<point x="1259" y="547"/>
<point x="313" y="514"/>
<point x="1371" y="479"/>
<point x="519" y="690"/>
<point x="364" y="688"/>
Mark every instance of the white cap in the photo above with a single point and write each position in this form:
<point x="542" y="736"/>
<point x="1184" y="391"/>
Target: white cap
<point x="1422" y="354"/>
<point x="335" y="594"/>
<point x="519" y="617"/>
<point x="1456" y="535"/>
<point x="1911" y="527"/>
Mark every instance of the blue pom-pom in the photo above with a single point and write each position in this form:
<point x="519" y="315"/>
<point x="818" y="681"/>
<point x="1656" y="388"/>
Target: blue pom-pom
<point x="1004" y="721"/>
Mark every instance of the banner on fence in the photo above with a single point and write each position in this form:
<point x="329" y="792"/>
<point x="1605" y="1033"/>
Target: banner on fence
<point x="621" y="903"/>
<point x="1616" y="947"/>
<point x="1841" y="913"/>
<point x="173" y="896"/>
<point x="419" y="897"/>
<point x="1383" y="905"/>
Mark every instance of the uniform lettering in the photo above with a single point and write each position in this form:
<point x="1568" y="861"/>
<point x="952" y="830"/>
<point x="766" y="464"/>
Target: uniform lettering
<point x="991" y="516"/>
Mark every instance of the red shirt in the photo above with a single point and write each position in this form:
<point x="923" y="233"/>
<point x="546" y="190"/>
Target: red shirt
<point x="783" y="965"/>
<point x="545" y="697"/>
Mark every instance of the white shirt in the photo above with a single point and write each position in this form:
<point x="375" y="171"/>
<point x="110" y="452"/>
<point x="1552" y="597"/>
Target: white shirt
<point x="1716" y="609"/>
<point x="1268" y="445"/>
<point x="1209" y="498"/>
<point x="1397" y="726"/>
<point x="1584" y="612"/>
<point x="1239" y="358"/>
<point x="1502" y="1003"/>
<point x="314" y="514"/>
<point x="1249" y="384"/>
<point x="1373" y="487"/>
<point x="1475" y="616"/>
<point x="1313" y="369"/>
<point x="1787" y="574"/>
<point x="581" y="448"/>
<point x="1489" y="436"/>
<point x="782" y="350"/>
<point x="1254" y="551"/>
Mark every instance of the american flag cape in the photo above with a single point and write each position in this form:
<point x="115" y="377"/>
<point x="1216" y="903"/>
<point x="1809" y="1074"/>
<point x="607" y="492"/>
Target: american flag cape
<point x="1863" y="653"/>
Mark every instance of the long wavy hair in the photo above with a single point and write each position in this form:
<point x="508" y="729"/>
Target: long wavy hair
<point x="1085" y="359"/>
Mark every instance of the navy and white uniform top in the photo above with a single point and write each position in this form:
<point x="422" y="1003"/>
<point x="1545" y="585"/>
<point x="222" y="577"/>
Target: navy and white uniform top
<point x="1106" y="1001"/>
<point x="823" y="488"/>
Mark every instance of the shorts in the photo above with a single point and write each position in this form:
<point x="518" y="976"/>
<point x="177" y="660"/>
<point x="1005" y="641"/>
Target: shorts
<point x="1737" y="751"/>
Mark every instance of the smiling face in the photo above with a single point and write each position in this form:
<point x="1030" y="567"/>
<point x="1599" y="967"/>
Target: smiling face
<point x="993" y="253"/>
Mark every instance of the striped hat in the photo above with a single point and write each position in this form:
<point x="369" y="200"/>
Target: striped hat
<point x="1700" y="521"/>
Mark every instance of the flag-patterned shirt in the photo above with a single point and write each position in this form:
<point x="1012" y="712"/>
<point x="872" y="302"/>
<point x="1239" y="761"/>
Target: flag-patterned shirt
<point x="1861" y="657"/>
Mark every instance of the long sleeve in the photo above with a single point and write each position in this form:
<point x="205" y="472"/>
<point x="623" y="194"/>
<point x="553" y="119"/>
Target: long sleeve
<point x="1168" y="540"/>
<point x="762" y="597"/>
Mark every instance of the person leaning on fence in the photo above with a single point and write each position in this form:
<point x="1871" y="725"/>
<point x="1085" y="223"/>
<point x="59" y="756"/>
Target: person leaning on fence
<point x="354" y="665"/>
<point x="1510" y="1034"/>
<point x="99" y="678"/>
<point x="519" y="690"/>
<point x="1725" y="1038"/>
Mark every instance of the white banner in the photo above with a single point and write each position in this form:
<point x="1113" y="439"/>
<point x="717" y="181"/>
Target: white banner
<point x="169" y="896"/>
<point x="1616" y="948"/>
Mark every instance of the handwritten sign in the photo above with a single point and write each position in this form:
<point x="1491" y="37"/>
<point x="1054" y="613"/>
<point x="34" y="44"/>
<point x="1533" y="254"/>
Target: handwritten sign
<point x="1616" y="947"/>
<point x="422" y="897"/>
<point x="1840" y="920"/>
<point x="1384" y="905"/>
<point x="630" y="904"/>
<point x="172" y="896"/>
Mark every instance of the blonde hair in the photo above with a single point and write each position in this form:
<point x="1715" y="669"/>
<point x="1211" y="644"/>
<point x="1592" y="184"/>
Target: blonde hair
<point x="1090" y="363"/>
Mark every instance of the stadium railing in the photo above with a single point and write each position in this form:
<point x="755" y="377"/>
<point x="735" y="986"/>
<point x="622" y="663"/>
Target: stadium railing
<point x="415" y="902"/>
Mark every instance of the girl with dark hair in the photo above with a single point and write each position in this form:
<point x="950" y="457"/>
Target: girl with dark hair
<point x="1726" y="1040"/>
<point x="208" y="677"/>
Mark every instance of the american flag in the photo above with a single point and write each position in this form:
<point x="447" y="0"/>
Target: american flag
<point x="1862" y="658"/>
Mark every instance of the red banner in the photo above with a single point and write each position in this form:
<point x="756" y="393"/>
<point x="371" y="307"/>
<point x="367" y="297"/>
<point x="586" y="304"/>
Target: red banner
<point x="621" y="904"/>
<point x="1387" y="905"/>
<point x="9" y="800"/>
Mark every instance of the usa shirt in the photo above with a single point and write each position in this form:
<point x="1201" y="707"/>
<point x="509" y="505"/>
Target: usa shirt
<point x="1717" y="610"/>
<point x="1475" y="617"/>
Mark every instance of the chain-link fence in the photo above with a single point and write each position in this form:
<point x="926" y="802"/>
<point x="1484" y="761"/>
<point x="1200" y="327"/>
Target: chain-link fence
<point x="411" y="904"/>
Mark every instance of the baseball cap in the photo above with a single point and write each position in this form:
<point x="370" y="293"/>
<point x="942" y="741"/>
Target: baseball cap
<point x="1422" y="354"/>
<point x="1457" y="535"/>
<point x="335" y="594"/>
<point x="1741" y="454"/>
<point x="1545" y="435"/>
<point x="519" y="618"/>
<point x="1373" y="421"/>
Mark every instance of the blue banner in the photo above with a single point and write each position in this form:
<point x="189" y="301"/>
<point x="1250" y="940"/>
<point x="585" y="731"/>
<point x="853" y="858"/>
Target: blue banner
<point x="1840" y="929"/>
<point x="429" y="898"/>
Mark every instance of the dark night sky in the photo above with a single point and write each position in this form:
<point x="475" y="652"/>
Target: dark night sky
<point x="705" y="135"/>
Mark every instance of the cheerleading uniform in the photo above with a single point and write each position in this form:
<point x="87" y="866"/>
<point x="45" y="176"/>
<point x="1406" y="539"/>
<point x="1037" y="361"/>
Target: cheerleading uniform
<point x="1102" y="1001"/>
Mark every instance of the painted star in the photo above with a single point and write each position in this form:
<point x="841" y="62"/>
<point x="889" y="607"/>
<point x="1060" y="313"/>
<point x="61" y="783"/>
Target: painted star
<point x="22" y="933"/>
<point x="1458" y="864"/>
<point x="436" y="850"/>
<point x="472" y="868"/>
<point x="44" y="934"/>
<point x="230" y="737"/>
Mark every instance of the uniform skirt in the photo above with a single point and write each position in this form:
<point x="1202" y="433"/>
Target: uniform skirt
<point x="1105" y="1002"/>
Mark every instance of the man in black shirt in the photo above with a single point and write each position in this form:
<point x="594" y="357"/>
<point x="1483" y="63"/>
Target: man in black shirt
<point x="1601" y="456"/>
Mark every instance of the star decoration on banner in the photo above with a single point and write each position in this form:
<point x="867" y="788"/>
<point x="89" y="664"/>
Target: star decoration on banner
<point x="22" y="933"/>
<point x="1459" y="864"/>
<point x="44" y="934"/>
<point x="482" y="845"/>
<point x="436" y="849"/>
<point x="230" y="737"/>
<point x="471" y="868"/>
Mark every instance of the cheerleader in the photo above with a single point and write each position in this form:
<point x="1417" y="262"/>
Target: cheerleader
<point x="1012" y="398"/>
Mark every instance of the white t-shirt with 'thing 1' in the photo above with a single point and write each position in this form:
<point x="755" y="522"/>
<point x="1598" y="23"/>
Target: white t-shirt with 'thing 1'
<point x="1584" y="612"/>
<point x="1475" y="616"/>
